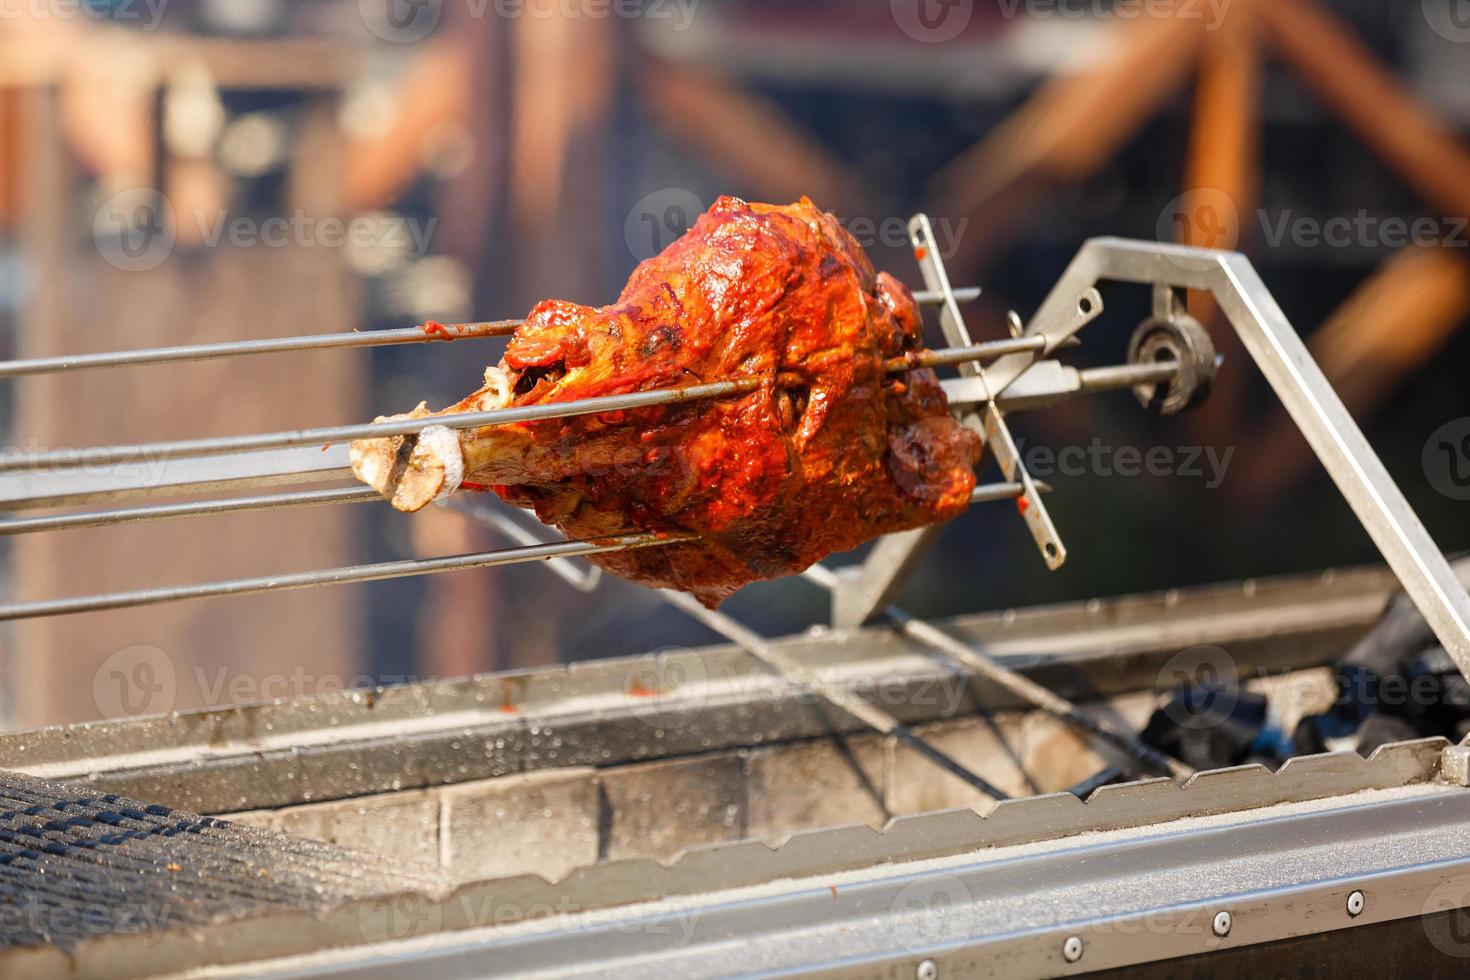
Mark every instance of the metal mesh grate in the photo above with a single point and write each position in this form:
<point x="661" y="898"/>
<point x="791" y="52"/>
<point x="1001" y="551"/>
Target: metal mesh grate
<point x="76" y="865"/>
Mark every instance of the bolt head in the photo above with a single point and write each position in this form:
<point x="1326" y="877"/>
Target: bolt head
<point x="1072" y="949"/>
<point x="1355" y="903"/>
<point x="927" y="970"/>
<point x="1223" y="922"/>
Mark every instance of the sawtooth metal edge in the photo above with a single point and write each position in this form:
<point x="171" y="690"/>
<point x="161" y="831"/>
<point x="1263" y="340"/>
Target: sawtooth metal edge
<point x="949" y="832"/>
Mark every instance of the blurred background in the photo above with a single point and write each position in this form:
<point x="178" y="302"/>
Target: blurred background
<point x="186" y="171"/>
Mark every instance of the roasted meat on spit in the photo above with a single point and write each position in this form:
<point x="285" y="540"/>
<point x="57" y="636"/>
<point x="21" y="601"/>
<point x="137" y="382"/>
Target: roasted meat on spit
<point x="828" y="452"/>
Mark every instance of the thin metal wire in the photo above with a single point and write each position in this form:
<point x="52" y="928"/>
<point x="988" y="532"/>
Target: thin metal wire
<point x="240" y="348"/>
<point x="333" y="576"/>
<point x="1024" y="687"/>
<point x="70" y="459"/>
<point x="1146" y="756"/>
<point x="205" y="508"/>
<point x="491" y="516"/>
<point x="798" y="674"/>
<point x="373" y="430"/>
<point x="374" y="572"/>
<point x="278" y="345"/>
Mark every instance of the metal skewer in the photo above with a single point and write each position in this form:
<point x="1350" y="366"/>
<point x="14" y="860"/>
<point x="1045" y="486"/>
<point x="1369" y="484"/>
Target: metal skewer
<point x="1150" y="758"/>
<point x="500" y="519"/>
<point x="1054" y="704"/>
<point x="549" y="551"/>
<point x="760" y="648"/>
<point x="875" y="718"/>
<point x="239" y="348"/>
<point x="334" y="576"/>
<point x="68" y="459"/>
<point x="429" y="333"/>
<point x="204" y="508"/>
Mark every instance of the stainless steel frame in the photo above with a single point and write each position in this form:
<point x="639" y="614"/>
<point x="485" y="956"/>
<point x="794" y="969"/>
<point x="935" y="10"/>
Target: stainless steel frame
<point x="1070" y="906"/>
<point x="1284" y="360"/>
<point x="415" y="735"/>
<point x="1138" y="872"/>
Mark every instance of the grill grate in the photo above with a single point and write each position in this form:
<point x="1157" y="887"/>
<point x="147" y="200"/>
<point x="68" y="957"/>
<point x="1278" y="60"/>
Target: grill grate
<point x="77" y="865"/>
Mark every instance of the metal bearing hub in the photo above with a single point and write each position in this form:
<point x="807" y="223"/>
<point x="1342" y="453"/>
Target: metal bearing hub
<point x="1183" y="340"/>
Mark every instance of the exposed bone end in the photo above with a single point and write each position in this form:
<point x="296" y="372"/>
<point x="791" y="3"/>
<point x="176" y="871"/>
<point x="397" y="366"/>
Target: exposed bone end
<point x="497" y="392"/>
<point x="411" y="471"/>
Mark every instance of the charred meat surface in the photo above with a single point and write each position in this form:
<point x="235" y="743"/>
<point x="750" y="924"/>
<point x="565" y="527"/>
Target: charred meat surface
<point x="830" y="451"/>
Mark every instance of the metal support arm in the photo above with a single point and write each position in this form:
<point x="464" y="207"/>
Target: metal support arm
<point x="1297" y="380"/>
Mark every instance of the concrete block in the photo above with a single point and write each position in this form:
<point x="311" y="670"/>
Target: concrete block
<point x="540" y="823"/>
<point x="398" y="826"/>
<point x="817" y="784"/>
<point x="659" y="809"/>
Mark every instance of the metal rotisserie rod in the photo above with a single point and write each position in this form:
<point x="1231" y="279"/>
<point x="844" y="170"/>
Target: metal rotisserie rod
<point x="203" y="508"/>
<point x="795" y="673"/>
<point x="329" y="341"/>
<point x="1043" y="698"/>
<point x="333" y="576"/>
<point x="1146" y="756"/>
<point x="69" y="459"/>
<point x="377" y="571"/>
